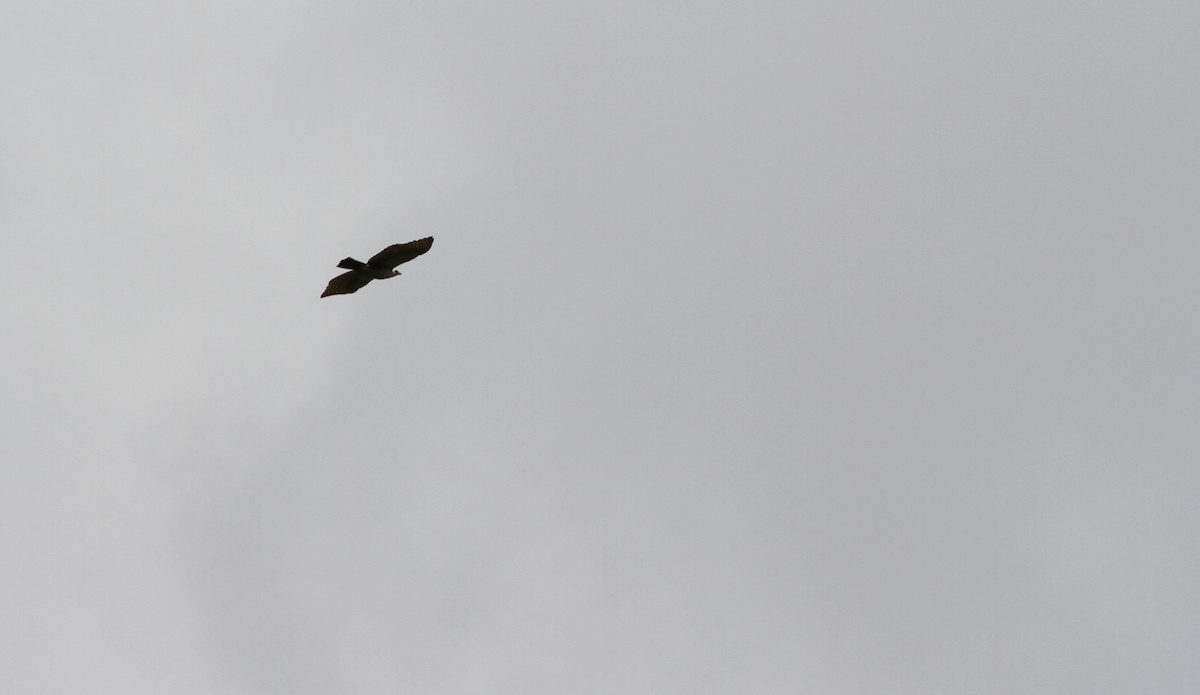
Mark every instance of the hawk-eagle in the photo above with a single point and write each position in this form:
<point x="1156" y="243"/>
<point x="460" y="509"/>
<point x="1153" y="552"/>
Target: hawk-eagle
<point x="380" y="266"/>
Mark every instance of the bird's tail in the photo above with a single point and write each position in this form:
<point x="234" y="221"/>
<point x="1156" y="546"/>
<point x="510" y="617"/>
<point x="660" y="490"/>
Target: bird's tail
<point x="351" y="264"/>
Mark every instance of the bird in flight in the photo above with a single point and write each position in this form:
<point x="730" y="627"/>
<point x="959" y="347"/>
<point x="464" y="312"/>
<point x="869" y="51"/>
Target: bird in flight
<point x="381" y="266"/>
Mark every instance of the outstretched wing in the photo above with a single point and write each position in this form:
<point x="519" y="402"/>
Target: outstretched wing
<point x="396" y="254"/>
<point x="347" y="283"/>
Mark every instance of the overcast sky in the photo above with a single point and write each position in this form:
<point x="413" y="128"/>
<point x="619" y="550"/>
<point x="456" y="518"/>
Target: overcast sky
<point x="764" y="347"/>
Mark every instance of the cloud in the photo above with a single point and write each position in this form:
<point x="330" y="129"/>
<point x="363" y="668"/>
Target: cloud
<point x="762" y="348"/>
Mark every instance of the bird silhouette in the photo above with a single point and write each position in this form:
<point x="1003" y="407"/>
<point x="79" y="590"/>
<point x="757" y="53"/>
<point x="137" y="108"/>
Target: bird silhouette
<point x="381" y="266"/>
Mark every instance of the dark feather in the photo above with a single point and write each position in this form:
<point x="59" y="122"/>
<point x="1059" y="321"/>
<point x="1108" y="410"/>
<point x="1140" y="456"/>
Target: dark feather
<point x="347" y="283"/>
<point x="396" y="254"/>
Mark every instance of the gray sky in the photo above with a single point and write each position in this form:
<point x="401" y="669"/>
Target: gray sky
<point x="764" y="348"/>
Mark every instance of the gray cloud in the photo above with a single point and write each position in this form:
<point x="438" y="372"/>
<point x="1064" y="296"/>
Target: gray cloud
<point x="762" y="348"/>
